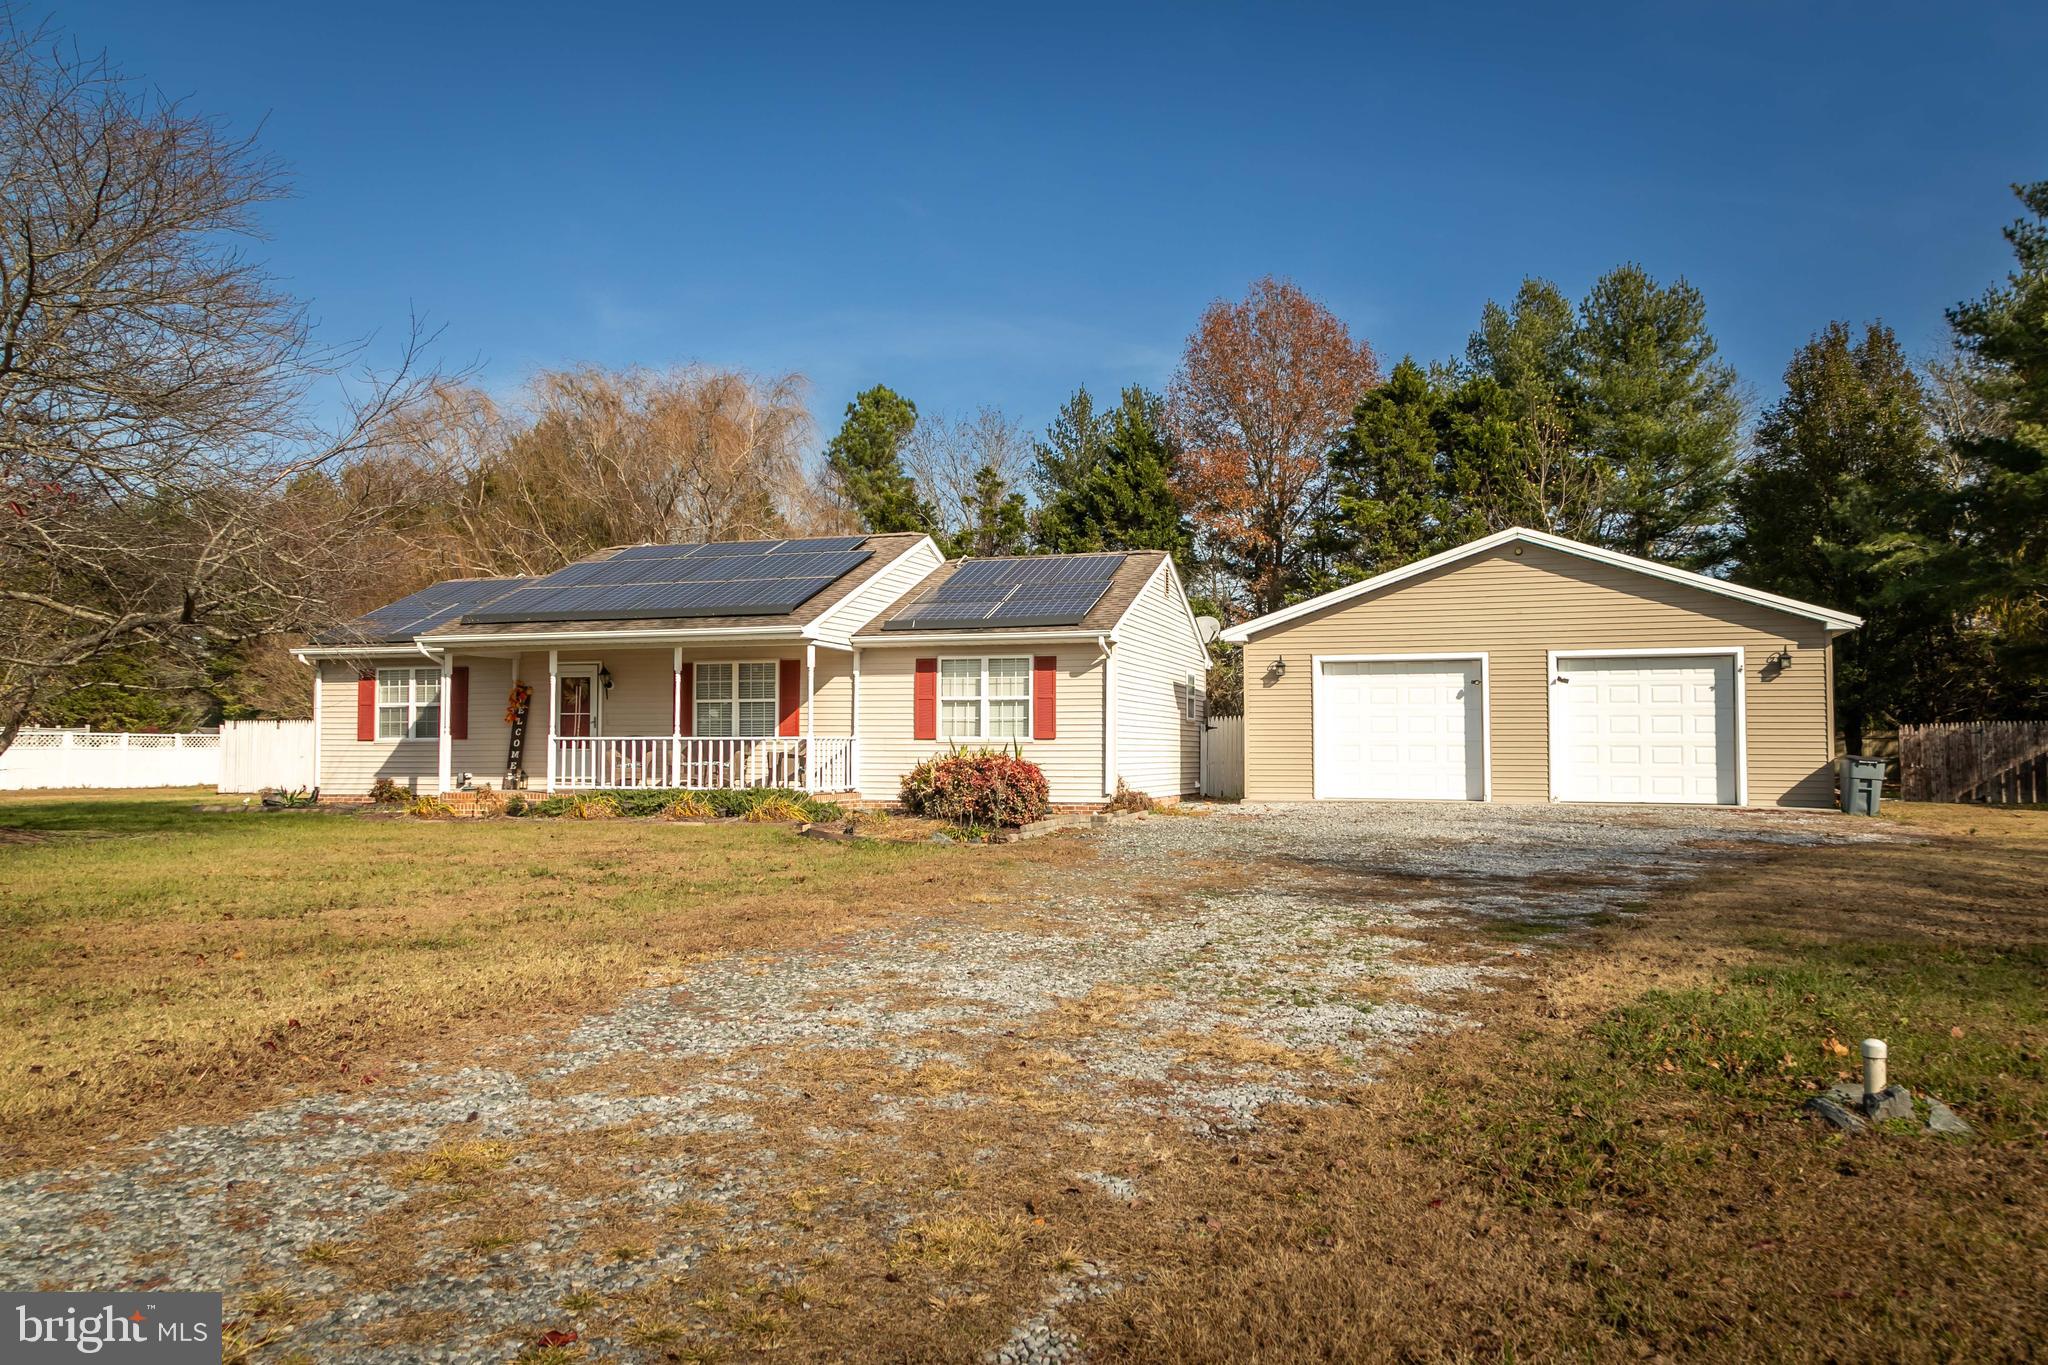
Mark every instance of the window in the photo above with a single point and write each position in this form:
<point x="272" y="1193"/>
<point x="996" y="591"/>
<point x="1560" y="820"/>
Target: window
<point x="985" y="698"/>
<point x="728" y="693"/>
<point x="408" y="703"/>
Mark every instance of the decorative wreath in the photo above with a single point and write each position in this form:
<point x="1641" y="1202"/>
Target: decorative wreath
<point x="514" y="704"/>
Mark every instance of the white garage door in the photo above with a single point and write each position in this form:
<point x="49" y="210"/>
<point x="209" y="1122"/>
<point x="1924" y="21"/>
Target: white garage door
<point x="1400" y="729"/>
<point x="1644" y="730"/>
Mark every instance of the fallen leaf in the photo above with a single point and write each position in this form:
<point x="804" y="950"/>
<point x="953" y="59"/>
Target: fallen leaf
<point x="556" y="1337"/>
<point x="1955" y="1031"/>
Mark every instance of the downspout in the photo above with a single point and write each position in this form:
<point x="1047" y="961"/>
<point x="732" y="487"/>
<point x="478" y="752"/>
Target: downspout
<point x="1108" y="648"/>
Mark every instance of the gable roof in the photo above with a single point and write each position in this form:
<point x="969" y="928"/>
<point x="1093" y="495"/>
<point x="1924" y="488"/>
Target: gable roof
<point x="1833" y="620"/>
<point x="1129" y="580"/>
<point x="885" y="550"/>
<point x="396" y="623"/>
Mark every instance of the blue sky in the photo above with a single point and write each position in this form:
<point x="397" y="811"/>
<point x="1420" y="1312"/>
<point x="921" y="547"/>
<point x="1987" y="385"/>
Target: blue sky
<point x="982" y="204"/>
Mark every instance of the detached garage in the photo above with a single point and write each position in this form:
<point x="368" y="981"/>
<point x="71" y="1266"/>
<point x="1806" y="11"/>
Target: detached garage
<point x="1528" y="667"/>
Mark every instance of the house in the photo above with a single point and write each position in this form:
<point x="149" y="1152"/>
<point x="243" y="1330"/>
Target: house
<point x="1528" y="667"/>
<point x="830" y="664"/>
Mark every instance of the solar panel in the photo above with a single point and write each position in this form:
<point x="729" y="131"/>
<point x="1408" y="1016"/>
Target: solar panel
<point x="762" y="578"/>
<point x="425" y="609"/>
<point x="1050" y="590"/>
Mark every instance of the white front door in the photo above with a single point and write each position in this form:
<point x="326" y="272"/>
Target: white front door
<point x="1658" y="730"/>
<point x="1400" y="729"/>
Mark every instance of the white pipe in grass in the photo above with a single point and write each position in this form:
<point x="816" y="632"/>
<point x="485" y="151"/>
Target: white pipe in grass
<point x="1873" y="1065"/>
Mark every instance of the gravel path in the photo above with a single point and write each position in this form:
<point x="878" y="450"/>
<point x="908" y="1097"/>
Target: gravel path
<point x="1243" y="959"/>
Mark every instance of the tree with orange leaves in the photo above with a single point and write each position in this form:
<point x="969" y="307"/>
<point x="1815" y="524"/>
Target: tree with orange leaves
<point x="1263" y="389"/>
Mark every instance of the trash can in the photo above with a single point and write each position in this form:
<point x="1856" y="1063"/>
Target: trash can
<point x="1862" y="781"/>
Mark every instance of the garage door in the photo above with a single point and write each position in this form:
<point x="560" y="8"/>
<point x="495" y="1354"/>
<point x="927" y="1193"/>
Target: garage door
<point x="1644" y="730"/>
<point x="1403" y="730"/>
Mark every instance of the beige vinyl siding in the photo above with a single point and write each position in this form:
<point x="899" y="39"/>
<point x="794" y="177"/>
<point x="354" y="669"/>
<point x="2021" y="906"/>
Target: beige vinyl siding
<point x="1515" y="603"/>
<point x="642" y="699"/>
<point x="1072" y="760"/>
<point x="849" y="616"/>
<point x="1158" y="747"/>
<point x="349" y="766"/>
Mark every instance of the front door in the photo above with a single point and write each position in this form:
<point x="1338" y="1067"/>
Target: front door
<point x="578" y="714"/>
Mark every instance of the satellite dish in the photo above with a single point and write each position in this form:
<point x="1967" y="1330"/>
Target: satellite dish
<point x="1208" y="627"/>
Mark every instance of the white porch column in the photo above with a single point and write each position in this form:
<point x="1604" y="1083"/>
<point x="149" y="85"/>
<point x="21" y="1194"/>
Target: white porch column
<point x="675" y="721"/>
<point x="854" y="759"/>
<point x="810" y="718"/>
<point x="447" y="726"/>
<point x="319" y="716"/>
<point x="554" y="707"/>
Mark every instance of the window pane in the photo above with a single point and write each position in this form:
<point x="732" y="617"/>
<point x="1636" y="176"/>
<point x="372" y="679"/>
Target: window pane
<point x="959" y="677"/>
<point x="757" y="682"/>
<point x="391" y="722"/>
<point x="714" y="719"/>
<point x="757" y="717"/>
<point x="1009" y="720"/>
<point x="714" y="682"/>
<point x="426" y="685"/>
<point x="393" y="686"/>
<point x="960" y="719"/>
<point x="1009" y="677"/>
<point x="428" y="726"/>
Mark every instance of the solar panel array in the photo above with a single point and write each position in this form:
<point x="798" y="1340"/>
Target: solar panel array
<point x="423" y="610"/>
<point x="1057" y="590"/>
<point x="656" y="582"/>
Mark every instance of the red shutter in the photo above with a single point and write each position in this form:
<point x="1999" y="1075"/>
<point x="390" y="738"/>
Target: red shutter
<point x="366" y="706"/>
<point x="1045" y="697"/>
<point x="458" y="703"/>
<point x="790" y="689"/>
<point x="686" y="711"/>
<point x="924" y="703"/>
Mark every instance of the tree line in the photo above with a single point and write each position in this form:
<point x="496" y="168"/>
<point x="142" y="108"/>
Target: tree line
<point x="178" y="504"/>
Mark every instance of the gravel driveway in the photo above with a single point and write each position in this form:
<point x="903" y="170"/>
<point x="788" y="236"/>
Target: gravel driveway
<point x="1177" y="972"/>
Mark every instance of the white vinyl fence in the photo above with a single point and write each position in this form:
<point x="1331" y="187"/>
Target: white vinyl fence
<point x="255" y="754"/>
<point x="91" y="758"/>
<point x="1223" y="758"/>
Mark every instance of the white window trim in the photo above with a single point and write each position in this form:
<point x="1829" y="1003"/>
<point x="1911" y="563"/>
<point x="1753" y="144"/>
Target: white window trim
<point x="697" y="698"/>
<point x="1316" y="662"/>
<point x="1030" y="700"/>
<point x="412" y="706"/>
<point x="1732" y="652"/>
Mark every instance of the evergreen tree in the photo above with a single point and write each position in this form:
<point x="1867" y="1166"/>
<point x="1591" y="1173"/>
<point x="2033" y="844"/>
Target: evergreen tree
<point x="1995" y="560"/>
<point x="865" y="463"/>
<point x="1106" y="479"/>
<point x="995" y="520"/>
<point x="1659" y="409"/>
<point x="1844" y="462"/>
<point x="1392" y="480"/>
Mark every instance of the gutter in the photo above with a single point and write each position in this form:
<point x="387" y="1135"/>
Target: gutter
<point x="1107" y="644"/>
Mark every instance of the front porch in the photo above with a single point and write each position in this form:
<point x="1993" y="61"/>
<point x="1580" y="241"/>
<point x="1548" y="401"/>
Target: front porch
<point x="713" y="714"/>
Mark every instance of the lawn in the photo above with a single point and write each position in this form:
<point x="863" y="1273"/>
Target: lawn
<point x="160" y="962"/>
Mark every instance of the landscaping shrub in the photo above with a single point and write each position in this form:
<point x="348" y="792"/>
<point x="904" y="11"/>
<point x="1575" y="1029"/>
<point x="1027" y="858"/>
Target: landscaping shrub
<point x="690" y="805"/>
<point x="1129" y="800"/>
<point x="776" y="810"/>
<point x="429" y="808"/>
<point x="593" y="808"/>
<point x="977" y="787"/>
<point x="385" y="792"/>
<point x="517" y="804"/>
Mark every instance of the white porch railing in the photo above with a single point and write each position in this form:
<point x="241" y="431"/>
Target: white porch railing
<point x="626" y="762"/>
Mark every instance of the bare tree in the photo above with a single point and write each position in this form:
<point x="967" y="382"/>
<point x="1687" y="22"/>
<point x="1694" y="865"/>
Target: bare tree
<point x="947" y="454"/>
<point x="156" y="386"/>
<point x="595" y="458"/>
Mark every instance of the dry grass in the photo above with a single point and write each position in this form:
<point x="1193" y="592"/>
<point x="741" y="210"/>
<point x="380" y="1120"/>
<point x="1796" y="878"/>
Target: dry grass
<point x="1615" y="1167"/>
<point x="160" y="963"/>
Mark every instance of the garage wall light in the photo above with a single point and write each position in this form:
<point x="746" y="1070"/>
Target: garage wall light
<point x="1279" y="665"/>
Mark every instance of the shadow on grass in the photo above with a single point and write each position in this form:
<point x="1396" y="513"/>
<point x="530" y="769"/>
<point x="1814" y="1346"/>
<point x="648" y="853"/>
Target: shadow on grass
<point x="167" y="811"/>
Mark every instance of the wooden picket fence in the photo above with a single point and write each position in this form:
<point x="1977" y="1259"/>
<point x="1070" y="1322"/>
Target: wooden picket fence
<point x="1993" y="762"/>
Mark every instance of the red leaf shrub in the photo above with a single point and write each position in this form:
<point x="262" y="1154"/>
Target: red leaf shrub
<point x="984" y="787"/>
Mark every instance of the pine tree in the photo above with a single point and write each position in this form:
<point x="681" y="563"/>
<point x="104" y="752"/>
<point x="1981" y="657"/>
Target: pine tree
<point x="865" y="463"/>
<point x="1106" y="479"/>
<point x="996" y="523"/>
<point x="1841" y="465"/>
<point x="1659" y="409"/>
<point x="1395" y="496"/>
